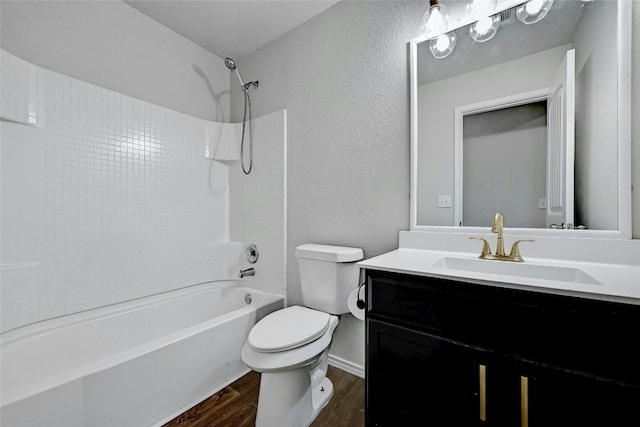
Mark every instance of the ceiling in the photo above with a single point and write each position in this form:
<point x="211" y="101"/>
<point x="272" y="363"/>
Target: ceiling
<point x="231" y="28"/>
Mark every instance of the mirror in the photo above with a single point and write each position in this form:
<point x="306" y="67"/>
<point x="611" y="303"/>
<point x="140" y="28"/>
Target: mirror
<point x="470" y="109"/>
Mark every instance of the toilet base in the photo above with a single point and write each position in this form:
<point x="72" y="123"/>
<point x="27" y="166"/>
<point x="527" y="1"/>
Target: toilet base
<point x="321" y="396"/>
<point x="286" y="399"/>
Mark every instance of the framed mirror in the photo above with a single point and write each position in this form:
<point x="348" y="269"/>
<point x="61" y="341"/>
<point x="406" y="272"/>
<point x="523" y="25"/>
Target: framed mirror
<point x="534" y="122"/>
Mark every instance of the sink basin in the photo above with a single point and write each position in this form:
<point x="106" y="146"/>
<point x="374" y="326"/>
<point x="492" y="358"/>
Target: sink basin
<point x="516" y="269"/>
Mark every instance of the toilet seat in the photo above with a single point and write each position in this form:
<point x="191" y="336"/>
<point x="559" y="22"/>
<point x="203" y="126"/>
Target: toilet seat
<point x="287" y="329"/>
<point x="290" y="359"/>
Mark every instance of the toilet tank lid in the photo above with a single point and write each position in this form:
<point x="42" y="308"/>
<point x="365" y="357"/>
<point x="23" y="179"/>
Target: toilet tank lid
<point x="329" y="252"/>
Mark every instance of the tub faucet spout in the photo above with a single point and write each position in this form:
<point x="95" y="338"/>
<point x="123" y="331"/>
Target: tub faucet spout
<point x="247" y="272"/>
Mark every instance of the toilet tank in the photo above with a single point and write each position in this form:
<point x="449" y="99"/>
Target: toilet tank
<point x="327" y="275"/>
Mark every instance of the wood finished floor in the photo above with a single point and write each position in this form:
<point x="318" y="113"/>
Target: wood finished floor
<point x="236" y="404"/>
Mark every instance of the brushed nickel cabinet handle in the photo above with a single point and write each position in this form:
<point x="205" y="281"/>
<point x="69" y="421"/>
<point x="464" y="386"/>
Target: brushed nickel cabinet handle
<point x="524" y="401"/>
<point x="482" y="372"/>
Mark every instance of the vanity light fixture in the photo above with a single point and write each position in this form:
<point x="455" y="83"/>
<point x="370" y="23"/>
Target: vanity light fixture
<point x="533" y="11"/>
<point x="435" y="20"/>
<point x="442" y="46"/>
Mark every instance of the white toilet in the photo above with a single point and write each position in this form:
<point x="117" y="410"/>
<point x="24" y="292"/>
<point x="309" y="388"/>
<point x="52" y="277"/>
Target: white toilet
<point x="290" y="347"/>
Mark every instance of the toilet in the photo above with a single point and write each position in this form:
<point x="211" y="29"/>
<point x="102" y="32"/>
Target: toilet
<point x="290" y="347"/>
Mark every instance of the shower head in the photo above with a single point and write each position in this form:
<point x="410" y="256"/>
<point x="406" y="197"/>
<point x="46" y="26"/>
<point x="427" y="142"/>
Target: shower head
<point x="230" y="63"/>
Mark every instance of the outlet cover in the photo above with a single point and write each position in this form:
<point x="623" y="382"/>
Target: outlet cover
<point x="542" y="203"/>
<point x="444" y="201"/>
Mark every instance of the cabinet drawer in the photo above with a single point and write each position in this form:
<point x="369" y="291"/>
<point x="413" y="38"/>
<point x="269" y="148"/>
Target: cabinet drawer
<point x="596" y="337"/>
<point x="480" y="315"/>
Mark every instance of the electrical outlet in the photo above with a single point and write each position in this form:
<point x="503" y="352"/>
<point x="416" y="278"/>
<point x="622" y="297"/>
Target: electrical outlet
<point x="444" y="201"/>
<point x="542" y="203"/>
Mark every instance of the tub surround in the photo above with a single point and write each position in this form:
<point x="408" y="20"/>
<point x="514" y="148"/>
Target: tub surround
<point x="105" y="198"/>
<point x="611" y="267"/>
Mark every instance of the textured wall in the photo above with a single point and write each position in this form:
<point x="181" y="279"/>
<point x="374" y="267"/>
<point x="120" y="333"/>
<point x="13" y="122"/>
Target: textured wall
<point x="343" y="78"/>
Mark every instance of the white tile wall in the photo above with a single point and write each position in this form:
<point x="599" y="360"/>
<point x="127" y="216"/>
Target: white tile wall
<point x="105" y="198"/>
<point x="222" y="140"/>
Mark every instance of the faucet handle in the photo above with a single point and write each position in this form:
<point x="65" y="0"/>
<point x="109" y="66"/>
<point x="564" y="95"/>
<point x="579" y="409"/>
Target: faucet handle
<point x="486" y="248"/>
<point x="515" y="250"/>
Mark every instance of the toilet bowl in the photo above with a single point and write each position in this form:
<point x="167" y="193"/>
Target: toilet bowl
<point x="290" y="347"/>
<point x="293" y="383"/>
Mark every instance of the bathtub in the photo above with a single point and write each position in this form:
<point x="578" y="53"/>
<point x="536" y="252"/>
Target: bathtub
<point x="139" y="363"/>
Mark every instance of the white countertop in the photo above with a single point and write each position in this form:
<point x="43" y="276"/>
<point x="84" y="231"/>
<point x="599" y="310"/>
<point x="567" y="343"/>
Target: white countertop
<point x="612" y="282"/>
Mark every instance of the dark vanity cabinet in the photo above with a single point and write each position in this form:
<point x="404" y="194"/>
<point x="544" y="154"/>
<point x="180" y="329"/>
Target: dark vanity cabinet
<point x="449" y="353"/>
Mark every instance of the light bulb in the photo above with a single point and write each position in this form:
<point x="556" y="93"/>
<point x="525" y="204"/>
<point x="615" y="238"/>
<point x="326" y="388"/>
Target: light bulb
<point x="435" y="21"/>
<point x="533" y="11"/>
<point x="485" y="28"/>
<point x="442" y="46"/>
<point x="442" y="43"/>
<point x="533" y="7"/>
<point x="481" y="8"/>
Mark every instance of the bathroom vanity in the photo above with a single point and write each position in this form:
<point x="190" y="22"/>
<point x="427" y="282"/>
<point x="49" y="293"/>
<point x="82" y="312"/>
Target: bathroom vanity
<point x="552" y="339"/>
<point x="455" y="348"/>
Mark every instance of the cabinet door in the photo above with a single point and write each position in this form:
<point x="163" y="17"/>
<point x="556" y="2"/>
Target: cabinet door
<point x="417" y="379"/>
<point x="556" y="397"/>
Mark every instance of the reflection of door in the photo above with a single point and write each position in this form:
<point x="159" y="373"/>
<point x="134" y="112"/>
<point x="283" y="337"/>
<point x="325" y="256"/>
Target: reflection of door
<point x="561" y="144"/>
<point x="514" y="180"/>
<point x="505" y="156"/>
<point x="558" y="200"/>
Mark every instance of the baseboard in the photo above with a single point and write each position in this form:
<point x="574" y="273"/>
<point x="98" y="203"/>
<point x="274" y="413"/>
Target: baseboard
<point x="346" y="365"/>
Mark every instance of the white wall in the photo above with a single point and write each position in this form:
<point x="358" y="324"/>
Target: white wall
<point x="112" y="45"/>
<point x="635" y="117"/>
<point x="596" y="188"/>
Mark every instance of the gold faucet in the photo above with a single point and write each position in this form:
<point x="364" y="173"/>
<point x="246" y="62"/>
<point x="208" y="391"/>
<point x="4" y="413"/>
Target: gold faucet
<point x="497" y="227"/>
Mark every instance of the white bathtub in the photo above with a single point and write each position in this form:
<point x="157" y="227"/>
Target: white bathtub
<point x="139" y="363"/>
